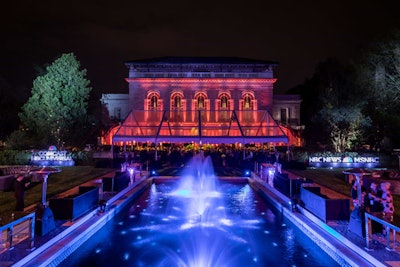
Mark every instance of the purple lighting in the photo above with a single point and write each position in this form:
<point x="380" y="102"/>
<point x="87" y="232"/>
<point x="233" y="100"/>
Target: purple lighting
<point x="51" y="157"/>
<point x="343" y="162"/>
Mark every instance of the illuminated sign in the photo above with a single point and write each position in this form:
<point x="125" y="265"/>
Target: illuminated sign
<point x="358" y="161"/>
<point x="51" y="158"/>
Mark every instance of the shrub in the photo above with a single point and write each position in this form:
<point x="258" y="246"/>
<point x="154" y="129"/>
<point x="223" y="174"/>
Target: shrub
<point x="15" y="157"/>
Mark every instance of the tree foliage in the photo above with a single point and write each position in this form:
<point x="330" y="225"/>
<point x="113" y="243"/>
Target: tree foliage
<point x="346" y="124"/>
<point x="358" y="103"/>
<point x="379" y="70"/>
<point x="333" y="102"/>
<point x="379" y="74"/>
<point x="57" y="110"/>
<point x="20" y="140"/>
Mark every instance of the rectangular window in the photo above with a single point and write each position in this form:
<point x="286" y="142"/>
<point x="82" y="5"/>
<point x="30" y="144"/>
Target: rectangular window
<point x="284" y="115"/>
<point x="117" y="113"/>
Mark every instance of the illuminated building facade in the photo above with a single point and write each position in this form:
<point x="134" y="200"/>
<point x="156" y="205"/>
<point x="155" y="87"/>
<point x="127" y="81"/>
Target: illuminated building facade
<point x="205" y="100"/>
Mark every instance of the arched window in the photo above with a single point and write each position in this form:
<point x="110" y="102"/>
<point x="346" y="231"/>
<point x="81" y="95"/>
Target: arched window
<point x="247" y="101"/>
<point x="153" y="101"/>
<point x="177" y="101"/>
<point x="200" y="102"/>
<point x="248" y="105"/>
<point x="177" y="105"/>
<point x="223" y="101"/>
<point x="223" y="105"/>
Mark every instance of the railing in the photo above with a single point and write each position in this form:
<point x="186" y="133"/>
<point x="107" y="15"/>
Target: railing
<point x="388" y="225"/>
<point x="15" y="169"/>
<point x="16" y="231"/>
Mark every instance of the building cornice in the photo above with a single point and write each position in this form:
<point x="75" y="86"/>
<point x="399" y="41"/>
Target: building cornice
<point x="201" y="80"/>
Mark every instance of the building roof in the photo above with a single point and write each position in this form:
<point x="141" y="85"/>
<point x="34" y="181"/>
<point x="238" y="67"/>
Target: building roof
<point x="200" y="60"/>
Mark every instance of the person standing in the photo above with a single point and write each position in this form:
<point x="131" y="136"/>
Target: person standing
<point x="19" y="191"/>
<point x="387" y="199"/>
<point x="374" y="201"/>
<point x="354" y="193"/>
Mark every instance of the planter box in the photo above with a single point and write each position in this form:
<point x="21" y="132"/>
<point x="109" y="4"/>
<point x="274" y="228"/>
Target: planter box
<point x="289" y="187"/>
<point x="72" y="207"/>
<point x="323" y="207"/>
<point x="117" y="183"/>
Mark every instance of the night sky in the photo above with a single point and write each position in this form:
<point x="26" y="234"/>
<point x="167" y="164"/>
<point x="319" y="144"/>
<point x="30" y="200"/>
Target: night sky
<point x="104" y="34"/>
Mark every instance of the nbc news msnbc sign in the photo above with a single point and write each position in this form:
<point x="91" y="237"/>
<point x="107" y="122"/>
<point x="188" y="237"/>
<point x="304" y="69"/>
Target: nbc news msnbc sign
<point x="343" y="162"/>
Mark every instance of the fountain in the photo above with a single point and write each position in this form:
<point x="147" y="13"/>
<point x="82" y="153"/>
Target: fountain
<point x="198" y="188"/>
<point x="198" y="220"/>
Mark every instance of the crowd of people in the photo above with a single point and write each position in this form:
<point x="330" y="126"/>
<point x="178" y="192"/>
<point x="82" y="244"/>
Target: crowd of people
<point x="222" y="156"/>
<point x="374" y="199"/>
<point x="377" y="199"/>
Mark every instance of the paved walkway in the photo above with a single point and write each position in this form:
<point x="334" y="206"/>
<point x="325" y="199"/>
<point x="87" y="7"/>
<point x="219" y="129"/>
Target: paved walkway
<point x="21" y="250"/>
<point x="379" y="242"/>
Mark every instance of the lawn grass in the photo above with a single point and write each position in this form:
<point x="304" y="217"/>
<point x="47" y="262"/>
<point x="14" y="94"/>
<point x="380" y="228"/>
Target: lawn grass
<point x="331" y="178"/>
<point x="68" y="178"/>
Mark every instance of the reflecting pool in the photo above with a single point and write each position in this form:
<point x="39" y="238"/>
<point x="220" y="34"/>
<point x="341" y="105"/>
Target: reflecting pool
<point x="198" y="220"/>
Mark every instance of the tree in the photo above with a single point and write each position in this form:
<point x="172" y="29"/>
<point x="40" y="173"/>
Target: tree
<point x="334" y="105"/>
<point x="56" y="112"/>
<point x="346" y="124"/>
<point x="379" y="74"/>
<point x="379" y="70"/>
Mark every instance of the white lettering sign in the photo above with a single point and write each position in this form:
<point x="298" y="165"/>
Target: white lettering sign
<point x="344" y="159"/>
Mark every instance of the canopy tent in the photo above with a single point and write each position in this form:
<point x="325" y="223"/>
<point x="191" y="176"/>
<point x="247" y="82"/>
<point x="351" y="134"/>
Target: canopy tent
<point x="200" y="126"/>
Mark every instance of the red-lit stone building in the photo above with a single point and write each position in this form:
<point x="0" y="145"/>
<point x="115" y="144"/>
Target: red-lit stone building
<point x="203" y="100"/>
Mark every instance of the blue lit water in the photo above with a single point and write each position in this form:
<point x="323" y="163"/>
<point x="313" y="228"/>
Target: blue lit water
<point x="234" y="227"/>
